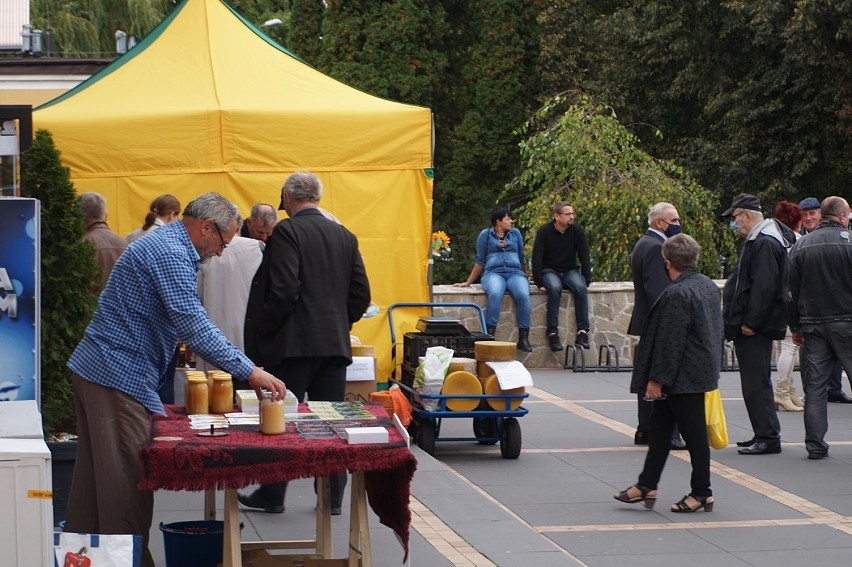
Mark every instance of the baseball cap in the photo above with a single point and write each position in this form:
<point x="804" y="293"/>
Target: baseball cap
<point x="743" y="201"/>
<point x="809" y="204"/>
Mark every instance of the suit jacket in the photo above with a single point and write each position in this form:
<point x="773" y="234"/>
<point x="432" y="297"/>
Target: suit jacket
<point x="649" y="278"/>
<point x="309" y="290"/>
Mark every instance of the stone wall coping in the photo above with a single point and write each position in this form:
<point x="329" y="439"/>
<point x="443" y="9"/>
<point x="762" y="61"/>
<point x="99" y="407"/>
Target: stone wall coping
<point x="596" y="287"/>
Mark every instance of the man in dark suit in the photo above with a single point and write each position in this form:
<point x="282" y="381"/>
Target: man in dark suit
<point x="308" y="292"/>
<point x="649" y="280"/>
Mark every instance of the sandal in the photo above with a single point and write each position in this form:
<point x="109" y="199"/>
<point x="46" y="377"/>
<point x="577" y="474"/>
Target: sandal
<point x="682" y="506"/>
<point x="646" y="495"/>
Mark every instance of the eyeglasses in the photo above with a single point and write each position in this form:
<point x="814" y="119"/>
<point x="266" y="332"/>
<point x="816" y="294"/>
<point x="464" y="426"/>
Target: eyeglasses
<point x="219" y="232"/>
<point x="735" y="215"/>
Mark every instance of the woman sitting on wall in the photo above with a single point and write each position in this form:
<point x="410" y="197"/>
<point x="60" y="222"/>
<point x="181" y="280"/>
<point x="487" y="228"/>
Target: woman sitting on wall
<point x="500" y="262"/>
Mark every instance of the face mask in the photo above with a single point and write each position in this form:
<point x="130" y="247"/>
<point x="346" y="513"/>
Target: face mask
<point x="734" y="226"/>
<point x="671" y="230"/>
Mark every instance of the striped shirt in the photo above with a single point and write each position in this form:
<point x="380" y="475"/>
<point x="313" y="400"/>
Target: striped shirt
<point x="149" y="302"/>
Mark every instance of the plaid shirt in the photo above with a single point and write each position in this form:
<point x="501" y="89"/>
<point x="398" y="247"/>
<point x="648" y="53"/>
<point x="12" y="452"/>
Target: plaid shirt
<point x="149" y="302"/>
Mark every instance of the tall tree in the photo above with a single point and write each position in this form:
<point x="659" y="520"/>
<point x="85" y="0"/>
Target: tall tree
<point x="305" y="35"/>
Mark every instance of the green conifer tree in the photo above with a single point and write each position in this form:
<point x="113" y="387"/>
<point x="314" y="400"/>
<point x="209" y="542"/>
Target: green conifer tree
<point x="68" y="276"/>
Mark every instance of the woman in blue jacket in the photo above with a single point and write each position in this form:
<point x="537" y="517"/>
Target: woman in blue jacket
<point x="501" y="264"/>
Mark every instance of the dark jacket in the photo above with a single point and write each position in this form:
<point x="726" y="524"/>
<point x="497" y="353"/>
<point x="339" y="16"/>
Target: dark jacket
<point x="307" y="293"/>
<point x="649" y="278"/>
<point x="819" y="281"/>
<point x="754" y="292"/>
<point x="560" y="251"/>
<point x="681" y="347"/>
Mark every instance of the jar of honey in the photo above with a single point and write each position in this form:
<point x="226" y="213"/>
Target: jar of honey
<point x="222" y="394"/>
<point x="196" y="401"/>
<point x="190" y="374"/>
<point x="271" y="415"/>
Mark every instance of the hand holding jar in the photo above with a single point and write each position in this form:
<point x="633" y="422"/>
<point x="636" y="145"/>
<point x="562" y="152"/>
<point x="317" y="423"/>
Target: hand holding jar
<point x="260" y="379"/>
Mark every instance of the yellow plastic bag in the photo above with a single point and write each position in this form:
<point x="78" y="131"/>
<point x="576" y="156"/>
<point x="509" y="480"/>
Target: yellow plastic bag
<point x="717" y="429"/>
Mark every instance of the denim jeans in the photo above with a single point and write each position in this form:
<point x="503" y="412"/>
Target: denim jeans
<point x="495" y="285"/>
<point x="573" y="280"/>
<point x="825" y="344"/>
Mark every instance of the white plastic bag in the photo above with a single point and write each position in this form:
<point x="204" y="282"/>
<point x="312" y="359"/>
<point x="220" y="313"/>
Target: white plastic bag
<point x="429" y="378"/>
<point x="97" y="550"/>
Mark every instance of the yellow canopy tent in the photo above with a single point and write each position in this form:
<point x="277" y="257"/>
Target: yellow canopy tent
<point x="206" y="102"/>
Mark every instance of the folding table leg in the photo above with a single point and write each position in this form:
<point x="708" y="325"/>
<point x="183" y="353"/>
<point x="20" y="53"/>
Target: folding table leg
<point x="231" y="553"/>
<point x="209" y="504"/>
<point x="359" y="524"/>
<point x="324" y="540"/>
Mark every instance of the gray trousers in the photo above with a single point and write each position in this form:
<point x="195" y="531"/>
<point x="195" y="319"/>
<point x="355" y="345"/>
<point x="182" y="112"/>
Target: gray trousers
<point x="825" y="344"/>
<point x="111" y="429"/>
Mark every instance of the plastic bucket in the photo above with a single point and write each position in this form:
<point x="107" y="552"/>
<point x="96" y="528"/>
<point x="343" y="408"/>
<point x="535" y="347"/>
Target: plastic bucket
<point x="193" y="544"/>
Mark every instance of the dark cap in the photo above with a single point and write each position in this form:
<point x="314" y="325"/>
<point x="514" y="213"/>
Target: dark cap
<point x="281" y="204"/>
<point x="809" y="204"/>
<point x="743" y="201"/>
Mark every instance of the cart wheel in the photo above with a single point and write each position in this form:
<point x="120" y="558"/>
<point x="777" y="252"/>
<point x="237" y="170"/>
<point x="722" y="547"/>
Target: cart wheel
<point x="510" y="444"/>
<point x="484" y="427"/>
<point x="426" y="436"/>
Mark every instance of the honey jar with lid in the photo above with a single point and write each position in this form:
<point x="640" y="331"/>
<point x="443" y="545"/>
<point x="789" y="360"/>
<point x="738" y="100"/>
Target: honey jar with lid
<point x="222" y="394"/>
<point x="196" y="396"/>
<point x="271" y="415"/>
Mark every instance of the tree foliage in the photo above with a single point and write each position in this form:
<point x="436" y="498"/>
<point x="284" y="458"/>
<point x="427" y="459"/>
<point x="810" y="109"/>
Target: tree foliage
<point x="68" y="276"/>
<point x="576" y="150"/>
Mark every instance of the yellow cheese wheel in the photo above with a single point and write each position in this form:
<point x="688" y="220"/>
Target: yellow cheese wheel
<point x="466" y="364"/>
<point x="483" y="371"/>
<point x="464" y="383"/>
<point x="492" y="388"/>
<point x="494" y="351"/>
<point x="363" y="350"/>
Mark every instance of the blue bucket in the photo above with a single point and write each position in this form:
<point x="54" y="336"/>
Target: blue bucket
<point x="193" y="544"/>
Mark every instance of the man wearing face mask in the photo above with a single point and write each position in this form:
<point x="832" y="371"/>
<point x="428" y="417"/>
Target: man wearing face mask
<point x="649" y="280"/>
<point x="754" y="315"/>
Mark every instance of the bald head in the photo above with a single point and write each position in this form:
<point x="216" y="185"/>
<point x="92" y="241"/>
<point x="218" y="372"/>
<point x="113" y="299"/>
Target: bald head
<point x="835" y="209"/>
<point x="262" y="221"/>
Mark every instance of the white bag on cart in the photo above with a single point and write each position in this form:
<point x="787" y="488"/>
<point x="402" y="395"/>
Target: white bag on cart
<point x="429" y="378"/>
<point x="97" y="550"/>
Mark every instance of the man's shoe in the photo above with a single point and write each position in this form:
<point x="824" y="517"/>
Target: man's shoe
<point x="640" y="438"/>
<point x="555" y="344"/>
<point x="582" y="339"/>
<point x="748" y="443"/>
<point x="255" y="500"/>
<point x="817" y="455"/>
<point x="336" y="511"/>
<point x="839" y="398"/>
<point x="678" y="444"/>
<point x="761" y="448"/>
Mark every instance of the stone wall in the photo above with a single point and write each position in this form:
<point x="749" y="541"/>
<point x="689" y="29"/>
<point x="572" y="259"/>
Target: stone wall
<point x="610" y="307"/>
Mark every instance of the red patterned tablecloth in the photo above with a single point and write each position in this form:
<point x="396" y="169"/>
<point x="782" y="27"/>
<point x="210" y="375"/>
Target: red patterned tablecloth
<point x="177" y="459"/>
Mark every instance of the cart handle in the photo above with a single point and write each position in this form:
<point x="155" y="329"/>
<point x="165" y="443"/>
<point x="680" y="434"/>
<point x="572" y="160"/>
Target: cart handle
<point x="431" y="305"/>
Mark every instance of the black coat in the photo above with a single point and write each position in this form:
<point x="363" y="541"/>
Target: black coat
<point x="307" y="293"/>
<point x="649" y="278"/>
<point x="681" y="347"/>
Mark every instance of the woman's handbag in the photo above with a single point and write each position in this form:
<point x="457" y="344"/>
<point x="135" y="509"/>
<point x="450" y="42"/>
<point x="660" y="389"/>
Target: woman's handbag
<point x="717" y="429"/>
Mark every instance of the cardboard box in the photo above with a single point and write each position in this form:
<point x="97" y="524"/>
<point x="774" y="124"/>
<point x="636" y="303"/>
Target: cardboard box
<point x="359" y="390"/>
<point x="363" y="435"/>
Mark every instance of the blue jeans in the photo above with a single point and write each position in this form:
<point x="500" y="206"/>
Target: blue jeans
<point x="573" y="280"/>
<point x="825" y="344"/>
<point x="495" y="286"/>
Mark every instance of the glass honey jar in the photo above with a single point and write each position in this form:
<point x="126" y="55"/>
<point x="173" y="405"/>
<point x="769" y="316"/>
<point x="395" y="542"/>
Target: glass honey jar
<point x="196" y="401"/>
<point x="222" y="393"/>
<point x="190" y="374"/>
<point x="271" y="415"/>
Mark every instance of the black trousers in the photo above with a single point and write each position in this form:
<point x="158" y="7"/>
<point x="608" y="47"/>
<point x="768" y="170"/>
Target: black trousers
<point x="754" y="354"/>
<point x="687" y="412"/>
<point x="323" y="379"/>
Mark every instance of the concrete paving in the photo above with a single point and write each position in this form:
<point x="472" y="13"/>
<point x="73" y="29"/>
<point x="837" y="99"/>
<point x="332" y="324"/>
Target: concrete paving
<point x="553" y="506"/>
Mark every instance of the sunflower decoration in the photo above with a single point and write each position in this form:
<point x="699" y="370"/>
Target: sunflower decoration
<point x="440" y="245"/>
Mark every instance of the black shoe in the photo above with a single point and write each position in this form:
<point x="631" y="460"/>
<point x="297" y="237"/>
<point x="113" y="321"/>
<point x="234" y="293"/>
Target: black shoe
<point x="678" y="444"/>
<point x="748" y="443"/>
<point x="839" y="398"/>
<point x="555" y="344"/>
<point x="524" y="340"/>
<point x="640" y="438"/>
<point x="817" y="455"/>
<point x="336" y="511"/>
<point x="582" y="339"/>
<point x="761" y="448"/>
<point x="255" y="500"/>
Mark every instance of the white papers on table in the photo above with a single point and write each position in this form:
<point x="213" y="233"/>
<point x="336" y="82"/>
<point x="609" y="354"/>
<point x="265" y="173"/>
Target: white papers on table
<point x="511" y="374"/>
<point x="204" y="421"/>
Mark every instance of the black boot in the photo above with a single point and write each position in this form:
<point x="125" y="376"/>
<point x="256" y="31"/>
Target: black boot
<point x="491" y="329"/>
<point x="524" y="340"/>
<point x="268" y="497"/>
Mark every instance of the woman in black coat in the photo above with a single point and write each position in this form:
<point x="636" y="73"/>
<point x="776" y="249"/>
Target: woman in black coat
<point x="677" y="361"/>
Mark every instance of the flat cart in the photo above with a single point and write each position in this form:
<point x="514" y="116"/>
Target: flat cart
<point x="490" y="426"/>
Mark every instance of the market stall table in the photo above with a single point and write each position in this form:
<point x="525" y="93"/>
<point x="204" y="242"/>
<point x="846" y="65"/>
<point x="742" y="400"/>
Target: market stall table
<point x="177" y="458"/>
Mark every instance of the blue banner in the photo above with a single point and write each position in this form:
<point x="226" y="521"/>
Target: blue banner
<point x="19" y="299"/>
